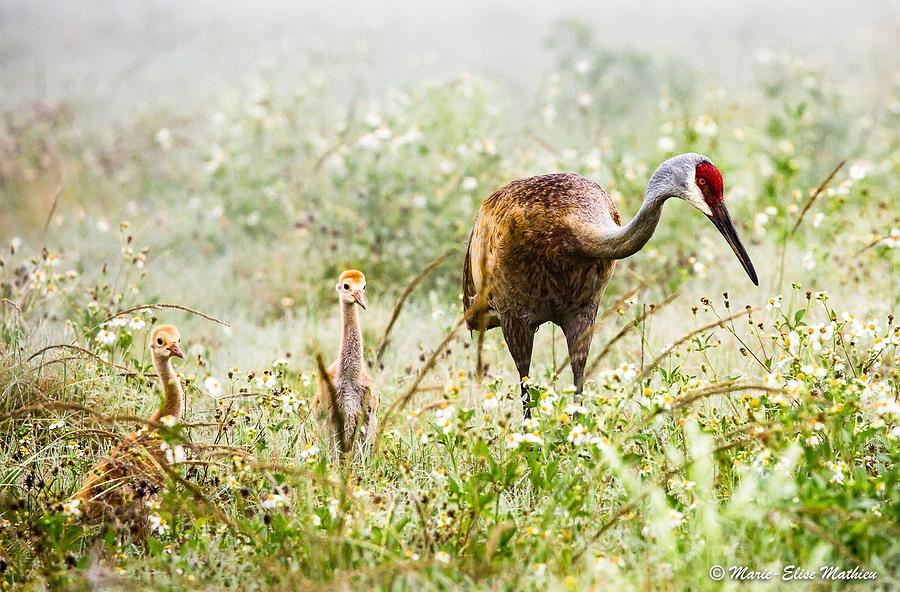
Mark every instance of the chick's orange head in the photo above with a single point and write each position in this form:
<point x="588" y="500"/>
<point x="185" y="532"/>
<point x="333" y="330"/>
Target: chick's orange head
<point x="350" y="287"/>
<point x="165" y="340"/>
<point x="353" y="278"/>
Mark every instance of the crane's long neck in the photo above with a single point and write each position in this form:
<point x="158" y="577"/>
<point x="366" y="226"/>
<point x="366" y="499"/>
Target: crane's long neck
<point x="173" y="394"/>
<point x="350" y="358"/>
<point x="619" y="242"/>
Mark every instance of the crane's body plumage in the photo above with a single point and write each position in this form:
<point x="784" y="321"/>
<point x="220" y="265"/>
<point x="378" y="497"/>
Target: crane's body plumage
<point x="544" y="248"/>
<point x="527" y="264"/>
<point x="120" y="485"/>
<point x="525" y="247"/>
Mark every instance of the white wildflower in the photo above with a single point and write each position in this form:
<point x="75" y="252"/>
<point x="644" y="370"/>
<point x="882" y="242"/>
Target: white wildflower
<point x="309" y="451"/>
<point x="411" y="136"/>
<point x="290" y="404"/>
<point x="858" y="171"/>
<point x="576" y="409"/>
<point x="548" y="113"/>
<point x="70" y="508"/>
<point x="892" y="241"/>
<point x="533" y="438"/>
<point x="213" y="386"/>
<point x="106" y="337"/>
<point x="809" y="261"/>
<point x="792" y="342"/>
<point x="607" y="564"/>
<point x="164" y="138"/>
<point x="216" y="159"/>
<point x="578" y="436"/>
<point x="837" y="470"/>
<point x="626" y="372"/>
<point x="382" y="133"/>
<point x="700" y="269"/>
<point x="174" y="454"/>
<point x="706" y="126"/>
<point x="772" y="380"/>
<point x="760" y="220"/>
<point x="368" y="141"/>
<point x="513" y="440"/>
<point x="666" y="144"/>
<point x="266" y="380"/>
<point x="490" y="400"/>
<point x="584" y="100"/>
<point x="158" y="524"/>
<point x="274" y="500"/>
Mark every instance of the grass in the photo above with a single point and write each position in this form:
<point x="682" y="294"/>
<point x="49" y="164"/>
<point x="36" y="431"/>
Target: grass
<point x="708" y="434"/>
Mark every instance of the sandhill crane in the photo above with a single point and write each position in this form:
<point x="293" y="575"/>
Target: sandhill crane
<point x="354" y="404"/>
<point x="544" y="248"/>
<point x="131" y="472"/>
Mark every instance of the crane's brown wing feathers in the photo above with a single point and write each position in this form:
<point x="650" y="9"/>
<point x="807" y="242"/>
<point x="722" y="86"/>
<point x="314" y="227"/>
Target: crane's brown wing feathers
<point x="477" y="313"/>
<point x="468" y="285"/>
<point x="521" y="229"/>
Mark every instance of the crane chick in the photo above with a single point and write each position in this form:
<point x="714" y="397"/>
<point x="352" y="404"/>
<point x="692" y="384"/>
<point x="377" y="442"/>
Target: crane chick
<point x="346" y="389"/>
<point x="121" y="483"/>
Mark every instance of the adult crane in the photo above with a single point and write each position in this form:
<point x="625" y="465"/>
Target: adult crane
<point x="544" y="248"/>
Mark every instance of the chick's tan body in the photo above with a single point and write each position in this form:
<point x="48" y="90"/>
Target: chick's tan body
<point x="132" y="472"/>
<point x="353" y="410"/>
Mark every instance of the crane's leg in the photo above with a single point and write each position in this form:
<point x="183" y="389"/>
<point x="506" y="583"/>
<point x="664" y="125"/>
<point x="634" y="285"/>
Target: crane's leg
<point x="579" y="331"/>
<point x="519" y="338"/>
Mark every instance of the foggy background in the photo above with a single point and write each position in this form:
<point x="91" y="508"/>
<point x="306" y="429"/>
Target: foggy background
<point x="112" y="60"/>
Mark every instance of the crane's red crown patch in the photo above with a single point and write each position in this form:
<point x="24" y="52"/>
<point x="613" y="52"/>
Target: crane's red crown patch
<point x="709" y="179"/>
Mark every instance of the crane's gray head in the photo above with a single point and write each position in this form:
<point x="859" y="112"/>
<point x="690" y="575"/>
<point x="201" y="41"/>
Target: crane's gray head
<point x="696" y="180"/>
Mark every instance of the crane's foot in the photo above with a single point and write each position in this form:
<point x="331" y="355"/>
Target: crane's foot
<point x="578" y="390"/>
<point x="526" y="403"/>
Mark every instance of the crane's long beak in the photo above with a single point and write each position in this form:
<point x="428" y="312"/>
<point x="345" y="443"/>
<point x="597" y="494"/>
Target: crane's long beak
<point x="722" y="220"/>
<point x="360" y="299"/>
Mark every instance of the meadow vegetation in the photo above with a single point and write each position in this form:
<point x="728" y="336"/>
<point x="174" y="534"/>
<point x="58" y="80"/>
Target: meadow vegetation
<point x="721" y="423"/>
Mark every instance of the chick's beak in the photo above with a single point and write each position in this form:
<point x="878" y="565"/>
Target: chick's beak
<point x="360" y="299"/>
<point x="176" y="351"/>
<point x="722" y="220"/>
